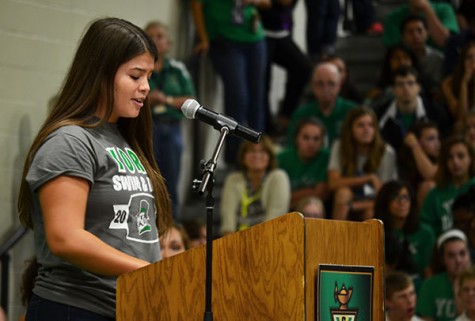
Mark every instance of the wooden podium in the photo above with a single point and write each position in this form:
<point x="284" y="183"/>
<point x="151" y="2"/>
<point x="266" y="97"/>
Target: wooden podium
<point x="268" y="272"/>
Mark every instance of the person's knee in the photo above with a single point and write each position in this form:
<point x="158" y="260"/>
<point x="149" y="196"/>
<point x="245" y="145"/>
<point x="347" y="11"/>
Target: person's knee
<point x="343" y="195"/>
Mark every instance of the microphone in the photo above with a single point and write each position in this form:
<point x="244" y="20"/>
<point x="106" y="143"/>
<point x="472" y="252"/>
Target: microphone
<point x="192" y="109"/>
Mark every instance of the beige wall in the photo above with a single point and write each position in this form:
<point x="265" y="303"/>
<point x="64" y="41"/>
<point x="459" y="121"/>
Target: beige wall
<point x="38" y="39"/>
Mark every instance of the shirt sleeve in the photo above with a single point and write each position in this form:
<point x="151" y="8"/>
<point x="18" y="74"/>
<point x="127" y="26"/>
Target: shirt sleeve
<point x="425" y="305"/>
<point x="62" y="154"/>
<point x="276" y="193"/>
<point x="428" y="212"/>
<point x="334" y="162"/>
<point x="447" y="17"/>
<point x="388" y="166"/>
<point x="232" y="193"/>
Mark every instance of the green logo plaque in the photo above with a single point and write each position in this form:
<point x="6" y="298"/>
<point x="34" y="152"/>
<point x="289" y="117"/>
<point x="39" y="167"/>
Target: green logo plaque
<point x="344" y="293"/>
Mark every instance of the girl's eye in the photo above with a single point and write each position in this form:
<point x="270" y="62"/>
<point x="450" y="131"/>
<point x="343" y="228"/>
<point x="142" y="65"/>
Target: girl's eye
<point x="134" y="77"/>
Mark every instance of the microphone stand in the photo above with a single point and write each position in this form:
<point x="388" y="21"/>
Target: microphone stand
<point x="206" y="183"/>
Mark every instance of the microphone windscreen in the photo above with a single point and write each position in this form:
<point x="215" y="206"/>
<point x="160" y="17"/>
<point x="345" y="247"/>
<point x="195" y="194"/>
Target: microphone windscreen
<point x="189" y="108"/>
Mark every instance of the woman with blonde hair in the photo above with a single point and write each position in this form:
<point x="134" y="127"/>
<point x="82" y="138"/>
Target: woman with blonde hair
<point x="360" y="162"/>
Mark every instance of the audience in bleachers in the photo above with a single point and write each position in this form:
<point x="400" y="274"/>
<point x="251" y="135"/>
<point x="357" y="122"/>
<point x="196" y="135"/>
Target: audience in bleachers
<point x="455" y="175"/>
<point x="360" y="162"/>
<point x="306" y="162"/>
<point x="440" y="17"/>
<point x="327" y="104"/>
<point x="408" y="242"/>
<point x="258" y="192"/>
<point x="436" y="300"/>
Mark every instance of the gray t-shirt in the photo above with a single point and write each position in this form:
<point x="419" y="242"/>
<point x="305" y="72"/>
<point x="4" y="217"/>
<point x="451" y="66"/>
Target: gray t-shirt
<point x="385" y="172"/>
<point x="120" y="211"/>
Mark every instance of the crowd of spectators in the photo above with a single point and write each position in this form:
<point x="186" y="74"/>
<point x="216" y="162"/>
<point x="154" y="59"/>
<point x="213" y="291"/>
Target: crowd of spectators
<point x="402" y="152"/>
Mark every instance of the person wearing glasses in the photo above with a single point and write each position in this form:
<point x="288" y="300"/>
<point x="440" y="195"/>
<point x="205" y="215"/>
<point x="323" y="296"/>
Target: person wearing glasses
<point x="408" y="242"/>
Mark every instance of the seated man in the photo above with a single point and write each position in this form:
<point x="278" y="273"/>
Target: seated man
<point x="406" y="107"/>
<point x="328" y="106"/>
<point x="440" y="17"/>
<point x="415" y="33"/>
<point x="400" y="298"/>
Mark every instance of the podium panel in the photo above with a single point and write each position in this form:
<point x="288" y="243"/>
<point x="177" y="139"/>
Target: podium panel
<point x="267" y="272"/>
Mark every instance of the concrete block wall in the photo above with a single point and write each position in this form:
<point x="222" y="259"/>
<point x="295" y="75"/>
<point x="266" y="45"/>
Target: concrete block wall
<point x="38" y="39"/>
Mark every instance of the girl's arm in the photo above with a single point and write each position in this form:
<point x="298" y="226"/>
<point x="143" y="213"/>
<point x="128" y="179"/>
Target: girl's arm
<point x="63" y="204"/>
<point x="277" y="193"/>
<point x="319" y="190"/>
<point x="463" y="93"/>
<point x="424" y="166"/>
<point x="230" y="200"/>
<point x="451" y="100"/>
<point x="197" y="11"/>
<point x="336" y="180"/>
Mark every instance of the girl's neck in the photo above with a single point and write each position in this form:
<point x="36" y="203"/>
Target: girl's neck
<point x="460" y="181"/>
<point x="398" y="223"/>
<point x="255" y="178"/>
<point x="470" y="314"/>
<point x="362" y="149"/>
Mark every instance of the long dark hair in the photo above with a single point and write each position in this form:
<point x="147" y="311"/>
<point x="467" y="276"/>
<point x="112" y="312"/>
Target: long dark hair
<point x="107" y="44"/>
<point x="386" y="74"/>
<point x="388" y="192"/>
<point x="443" y="177"/>
<point x="398" y="253"/>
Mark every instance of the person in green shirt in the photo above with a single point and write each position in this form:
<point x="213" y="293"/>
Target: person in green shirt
<point x="436" y="300"/>
<point x="408" y="242"/>
<point x="170" y="85"/>
<point x="328" y="106"/>
<point x="440" y="17"/>
<point x="455" y="175"/>
<point x="231" y="33"/>
<point x="306" y="163"/>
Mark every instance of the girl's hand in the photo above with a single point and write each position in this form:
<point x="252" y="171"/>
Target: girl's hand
<point x="410" y="140"/>
<point x="202" y="47"/>
<point x="469" y="71"/>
